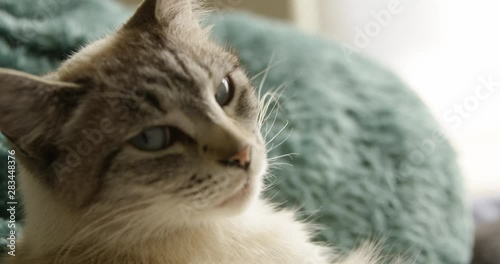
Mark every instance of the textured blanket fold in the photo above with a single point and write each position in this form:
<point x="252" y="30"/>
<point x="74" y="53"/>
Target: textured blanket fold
<point x="371" y="162"/>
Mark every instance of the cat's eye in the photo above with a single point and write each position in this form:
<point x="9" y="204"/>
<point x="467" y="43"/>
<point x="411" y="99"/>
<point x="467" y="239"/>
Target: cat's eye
<point x="225" y="92"/>
<point x="152" y="139"/>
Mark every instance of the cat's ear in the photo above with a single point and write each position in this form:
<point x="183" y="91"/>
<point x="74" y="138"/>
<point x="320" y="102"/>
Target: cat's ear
<point x="164" y="13"/>
<point x="32" y="108"/>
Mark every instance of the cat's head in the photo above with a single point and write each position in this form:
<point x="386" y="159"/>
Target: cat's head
<point x="155" y="116"/>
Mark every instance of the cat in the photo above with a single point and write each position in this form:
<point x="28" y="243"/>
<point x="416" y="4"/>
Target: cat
<point x="145" y="147"/>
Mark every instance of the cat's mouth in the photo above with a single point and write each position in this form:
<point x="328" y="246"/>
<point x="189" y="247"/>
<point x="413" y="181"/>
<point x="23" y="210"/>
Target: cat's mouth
<point x="241" y="193"/>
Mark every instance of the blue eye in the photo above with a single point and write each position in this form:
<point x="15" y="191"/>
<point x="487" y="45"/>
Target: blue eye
<point x="225" y="92"/>
<point x="152" y="139"/>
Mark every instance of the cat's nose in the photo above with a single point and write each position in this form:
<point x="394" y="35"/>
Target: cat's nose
<point x="241" y="159"/>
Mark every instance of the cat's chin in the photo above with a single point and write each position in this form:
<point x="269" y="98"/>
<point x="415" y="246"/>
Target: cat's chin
<point x="242" y="193"/>
<point x="239" y="200"/>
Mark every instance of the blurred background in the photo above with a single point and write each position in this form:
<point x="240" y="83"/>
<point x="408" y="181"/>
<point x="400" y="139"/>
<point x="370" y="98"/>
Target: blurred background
<point x="447" y="51"/>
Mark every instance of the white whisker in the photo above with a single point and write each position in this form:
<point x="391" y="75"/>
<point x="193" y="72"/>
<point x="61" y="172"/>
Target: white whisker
<point x="289" y="155"/>
<point x="281" y="143"/>
<point x="266" y="72"/>
<point x="279" y="132"/>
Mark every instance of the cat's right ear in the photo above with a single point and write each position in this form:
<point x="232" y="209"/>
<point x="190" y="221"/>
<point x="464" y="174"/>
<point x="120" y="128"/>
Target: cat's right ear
<point x="33" y="108"/>
<point x="164" y="13"/>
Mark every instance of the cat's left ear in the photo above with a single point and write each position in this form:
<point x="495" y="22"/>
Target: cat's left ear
<point x="164" y="13"/>
<point x="32" y="109"/>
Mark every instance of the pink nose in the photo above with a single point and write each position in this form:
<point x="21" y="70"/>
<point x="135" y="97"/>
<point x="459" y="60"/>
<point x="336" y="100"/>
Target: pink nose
<point x="241" y="159"/>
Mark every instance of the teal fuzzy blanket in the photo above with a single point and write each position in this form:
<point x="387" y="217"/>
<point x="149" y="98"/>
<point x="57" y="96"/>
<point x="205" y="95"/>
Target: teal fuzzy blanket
<point x="371" y="162"/>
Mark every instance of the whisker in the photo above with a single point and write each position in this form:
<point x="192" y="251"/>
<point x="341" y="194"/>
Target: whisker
<point x="264" y="113"/>
<point x="268" y="68"/>
<point x="279" y="132"/>
<point x="289" y="155"/>
<point x="281" y="143"/>
<point x="272" y="97"/>
<point x="278" y="165"/>
<point x="271" y="184"/>
<point x="268" y="130"/>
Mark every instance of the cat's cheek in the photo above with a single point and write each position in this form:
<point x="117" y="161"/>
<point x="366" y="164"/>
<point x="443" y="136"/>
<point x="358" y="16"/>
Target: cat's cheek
<point x="260" y="159"/>
<point x="260" y="140"/>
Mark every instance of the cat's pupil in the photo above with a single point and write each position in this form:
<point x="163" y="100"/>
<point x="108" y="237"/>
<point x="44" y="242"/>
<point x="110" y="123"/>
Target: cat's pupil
<point x="224" y="92"/>
<point x="145" y="137"/>
<point x="152" y="139"/>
